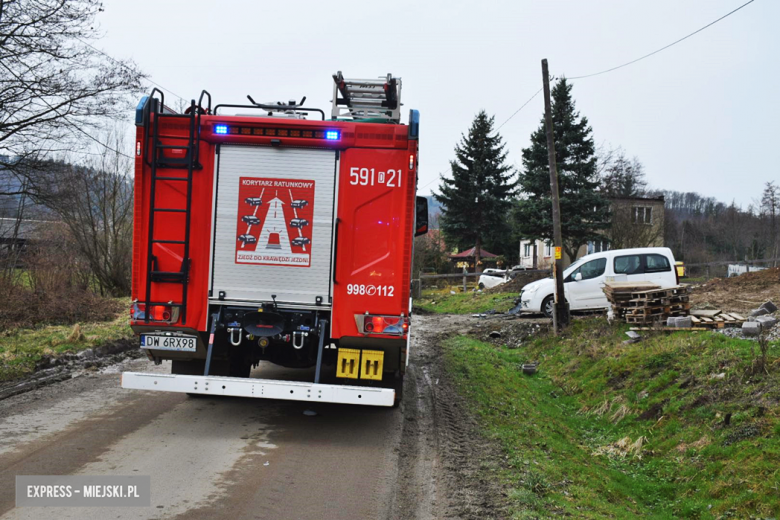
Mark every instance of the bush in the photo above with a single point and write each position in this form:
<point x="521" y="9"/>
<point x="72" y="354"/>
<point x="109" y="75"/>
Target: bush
<point x="55" y="288"/>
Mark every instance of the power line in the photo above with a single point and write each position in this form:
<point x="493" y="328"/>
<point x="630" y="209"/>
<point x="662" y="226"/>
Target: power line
<point x="98" y="141"/>
<point x="665" y="47"/>
<point x="497" y="129"/>
<point x="519" y="109"/>
<point x="429" y="183"/>
<point x="128" y="67"/>
<point x="633" y="61"/>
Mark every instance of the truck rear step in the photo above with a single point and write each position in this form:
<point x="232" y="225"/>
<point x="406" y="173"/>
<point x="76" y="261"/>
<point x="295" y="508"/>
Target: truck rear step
<point x="259" y="388"/>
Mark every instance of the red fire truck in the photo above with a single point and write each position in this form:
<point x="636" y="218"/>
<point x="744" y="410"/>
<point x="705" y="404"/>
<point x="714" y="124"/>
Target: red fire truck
<point x="266" y="232"/>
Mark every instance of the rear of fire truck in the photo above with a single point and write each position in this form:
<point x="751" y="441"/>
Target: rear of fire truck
<point x="268" y="233"/>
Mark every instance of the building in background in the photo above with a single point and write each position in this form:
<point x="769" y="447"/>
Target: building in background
<point x="636" y="222"/>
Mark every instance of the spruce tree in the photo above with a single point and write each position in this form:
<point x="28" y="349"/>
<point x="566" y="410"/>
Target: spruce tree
<point x="584" y="210"/>
<point x="477" y="199"/>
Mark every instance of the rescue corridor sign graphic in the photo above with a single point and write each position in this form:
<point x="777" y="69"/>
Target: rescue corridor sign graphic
<point x="274" y="221"/>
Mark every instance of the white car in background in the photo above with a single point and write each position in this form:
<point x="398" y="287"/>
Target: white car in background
<point x="491" y="278"/>
<point x="583" y="281"/>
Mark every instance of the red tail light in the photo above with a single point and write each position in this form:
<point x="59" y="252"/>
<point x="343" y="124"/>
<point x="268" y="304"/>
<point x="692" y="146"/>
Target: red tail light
<point x="388" y="325"/>
<point x="159" y="313"/>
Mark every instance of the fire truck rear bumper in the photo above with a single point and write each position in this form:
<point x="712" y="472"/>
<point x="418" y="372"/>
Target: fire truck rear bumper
<point x="259" y="388"/>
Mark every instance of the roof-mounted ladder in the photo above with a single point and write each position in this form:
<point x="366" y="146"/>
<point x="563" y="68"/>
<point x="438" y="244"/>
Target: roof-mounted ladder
<point x="367" y="98"/>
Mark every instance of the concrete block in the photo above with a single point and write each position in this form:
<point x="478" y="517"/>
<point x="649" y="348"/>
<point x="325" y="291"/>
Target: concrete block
<point x="769" y="307"/>
<point x="759" y="312"/>
<point x="767" y="322"/>
<point x="684" y="321"/>
<point x="751" y="328"/>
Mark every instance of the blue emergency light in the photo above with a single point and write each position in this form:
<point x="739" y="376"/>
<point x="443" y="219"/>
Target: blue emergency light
<point x="220" y="129"/>
<point x="332" y="135"/>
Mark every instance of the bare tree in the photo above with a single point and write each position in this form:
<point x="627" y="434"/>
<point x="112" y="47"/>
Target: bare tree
<point x="430" y="252"/>
<point x="770" y="208"/>
<point x="627" y="231"/>
<point x="95" y="201"/>
<point x="621" y="176"/>
<point x="54" y="85"/>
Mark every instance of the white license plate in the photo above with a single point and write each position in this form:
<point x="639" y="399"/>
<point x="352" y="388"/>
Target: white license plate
<point x="161" y="342"/>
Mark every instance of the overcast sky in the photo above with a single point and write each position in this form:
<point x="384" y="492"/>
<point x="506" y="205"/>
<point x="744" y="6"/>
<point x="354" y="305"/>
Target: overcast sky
<point x="701" y="116"/>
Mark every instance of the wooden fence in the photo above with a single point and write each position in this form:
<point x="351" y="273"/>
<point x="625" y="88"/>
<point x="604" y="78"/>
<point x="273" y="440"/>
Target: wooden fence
<point x="464" y="277"/>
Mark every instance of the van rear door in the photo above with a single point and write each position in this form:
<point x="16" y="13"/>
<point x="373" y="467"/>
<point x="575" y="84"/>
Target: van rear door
<point x="659" y="269"/>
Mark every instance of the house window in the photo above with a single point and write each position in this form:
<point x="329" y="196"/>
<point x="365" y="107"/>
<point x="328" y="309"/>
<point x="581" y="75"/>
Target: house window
<point x="643" y="215"/>
<point x="597" y="246"/>
<point x="547" y="248"/>
<point x="527" y="250"/>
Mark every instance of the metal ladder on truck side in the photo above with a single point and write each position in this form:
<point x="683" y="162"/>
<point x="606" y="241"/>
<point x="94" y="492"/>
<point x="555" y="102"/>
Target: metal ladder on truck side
<point x="367" y="98"/>
<point x="159" y="161"/>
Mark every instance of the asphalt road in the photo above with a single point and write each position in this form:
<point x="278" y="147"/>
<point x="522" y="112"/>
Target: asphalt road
<point x="234" y="458"/>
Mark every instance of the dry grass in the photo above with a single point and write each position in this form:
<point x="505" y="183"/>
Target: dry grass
<point x="22" y="348"/>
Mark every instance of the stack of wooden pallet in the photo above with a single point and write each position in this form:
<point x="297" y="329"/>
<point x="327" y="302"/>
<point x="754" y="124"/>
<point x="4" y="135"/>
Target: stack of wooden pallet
<point x="646" y="303"/>
<point x="705" y="320"/>
<point x="716" y="319"/>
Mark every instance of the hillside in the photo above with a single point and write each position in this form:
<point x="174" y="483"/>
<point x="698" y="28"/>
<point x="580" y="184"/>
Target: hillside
<point x="677" y="425"/>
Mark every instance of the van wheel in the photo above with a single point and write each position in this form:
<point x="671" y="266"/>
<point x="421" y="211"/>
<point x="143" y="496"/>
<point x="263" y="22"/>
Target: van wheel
<point x="481" y="285"/>
<point x="548" y="306"/>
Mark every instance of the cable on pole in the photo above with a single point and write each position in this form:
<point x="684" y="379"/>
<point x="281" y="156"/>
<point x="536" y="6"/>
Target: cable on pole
<point x="664" y="47"/>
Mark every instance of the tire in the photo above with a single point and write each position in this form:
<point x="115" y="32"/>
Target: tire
<point x="240" y="368"/>
<point x="398" y="386"/>
<point x="193" y="367"/>
<point x="481" y="285"/>
<point x="548" y="306"/>
<point x="218" y="367"/>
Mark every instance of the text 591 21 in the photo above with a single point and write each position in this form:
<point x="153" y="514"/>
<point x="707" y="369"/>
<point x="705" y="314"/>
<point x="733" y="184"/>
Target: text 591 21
<point x="370" y="177"/>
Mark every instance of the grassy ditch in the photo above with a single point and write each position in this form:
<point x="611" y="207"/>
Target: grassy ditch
<point x="678" y="425"/>
<point x="22" y="348"/>
<point x="442" y="301"/>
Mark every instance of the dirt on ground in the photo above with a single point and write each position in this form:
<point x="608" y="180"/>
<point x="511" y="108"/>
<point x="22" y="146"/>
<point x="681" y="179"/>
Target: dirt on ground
<point x="445" y="447"/>
<point x="740" y="294"/>
<point x="509" y="331"/>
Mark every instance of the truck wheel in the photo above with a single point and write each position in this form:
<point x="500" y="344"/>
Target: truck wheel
<point x="240" y="368"/>
<point x="398" y="386"/>
<point x="193" y="367"/>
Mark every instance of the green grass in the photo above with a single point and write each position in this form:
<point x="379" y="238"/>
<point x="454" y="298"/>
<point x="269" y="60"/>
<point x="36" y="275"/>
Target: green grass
<point x="557" y="426"/>
<point x="21" y="349"/>
<point x="440" y="301"/>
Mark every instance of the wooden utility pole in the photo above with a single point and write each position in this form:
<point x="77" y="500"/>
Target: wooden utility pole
<point x="561" y="308"/>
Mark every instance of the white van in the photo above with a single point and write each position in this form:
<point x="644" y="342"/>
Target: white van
<point x="583" y="281"/>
